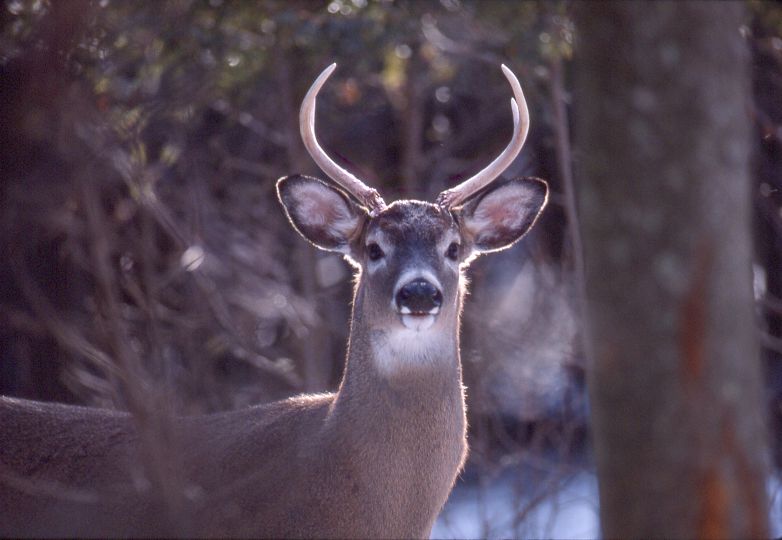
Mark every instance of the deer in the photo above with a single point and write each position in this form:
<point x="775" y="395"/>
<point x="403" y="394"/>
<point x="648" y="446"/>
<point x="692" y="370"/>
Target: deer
<point x="377" y="458"/>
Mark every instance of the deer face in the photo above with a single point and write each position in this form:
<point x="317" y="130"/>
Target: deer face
<point x="411" y="253"/>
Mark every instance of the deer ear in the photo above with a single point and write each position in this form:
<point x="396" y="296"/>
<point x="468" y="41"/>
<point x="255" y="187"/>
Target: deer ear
<point x="498" y="216"/>
<point x="321" y="213"/>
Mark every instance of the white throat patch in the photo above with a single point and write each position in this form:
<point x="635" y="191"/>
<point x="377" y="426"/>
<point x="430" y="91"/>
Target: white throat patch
<point x="409" y="348"/>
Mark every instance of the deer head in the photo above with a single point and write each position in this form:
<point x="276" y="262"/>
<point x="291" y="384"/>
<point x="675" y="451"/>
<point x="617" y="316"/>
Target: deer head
<point x="410" y="253"/>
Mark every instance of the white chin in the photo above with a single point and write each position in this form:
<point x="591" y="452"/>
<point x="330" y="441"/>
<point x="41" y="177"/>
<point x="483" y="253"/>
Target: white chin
<point x="418" y="323"/>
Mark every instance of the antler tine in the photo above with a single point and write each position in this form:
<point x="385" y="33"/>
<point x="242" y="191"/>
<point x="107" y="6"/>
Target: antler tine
<point x="457" y="195"/>
<point x="366" y="195"/>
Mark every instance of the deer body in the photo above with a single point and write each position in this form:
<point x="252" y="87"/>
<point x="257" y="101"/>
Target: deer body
<point x="313" y="466"/>
<point x="378" y="458"/>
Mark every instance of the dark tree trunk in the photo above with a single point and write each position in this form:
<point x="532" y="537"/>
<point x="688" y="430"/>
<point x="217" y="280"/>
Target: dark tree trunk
<point x="33" y="87"/>
<point x="663" y="144"/>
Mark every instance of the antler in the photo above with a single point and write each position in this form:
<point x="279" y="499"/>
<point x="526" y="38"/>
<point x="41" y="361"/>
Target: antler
<point x="457" y="195"/>
<point x="366" y="195"/>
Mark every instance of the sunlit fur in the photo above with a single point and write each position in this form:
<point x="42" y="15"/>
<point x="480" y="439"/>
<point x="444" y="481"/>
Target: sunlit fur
<point x="411" y="234"/>
<point x="376" y="459"/>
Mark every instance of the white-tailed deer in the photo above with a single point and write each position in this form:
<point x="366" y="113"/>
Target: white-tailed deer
<point x="377" y="458"/>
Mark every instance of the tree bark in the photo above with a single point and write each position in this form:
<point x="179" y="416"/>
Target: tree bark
<point x="663" y="143"/>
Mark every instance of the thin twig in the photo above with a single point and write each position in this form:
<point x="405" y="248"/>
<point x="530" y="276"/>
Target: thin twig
<point x="564" y="157"/>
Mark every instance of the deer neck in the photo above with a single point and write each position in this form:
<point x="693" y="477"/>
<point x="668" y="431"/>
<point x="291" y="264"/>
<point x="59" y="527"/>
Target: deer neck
<point x="392" y="361"/>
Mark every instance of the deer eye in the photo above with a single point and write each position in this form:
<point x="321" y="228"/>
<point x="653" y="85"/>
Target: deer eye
<point x="453" y="251"/>
<point x="374" y="252"/>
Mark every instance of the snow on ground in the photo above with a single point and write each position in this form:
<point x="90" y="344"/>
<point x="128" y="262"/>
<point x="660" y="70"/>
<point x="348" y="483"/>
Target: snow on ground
<point x="571" y="512"/>
<point x="774" y="488"/>
<point x="477" y="512"/>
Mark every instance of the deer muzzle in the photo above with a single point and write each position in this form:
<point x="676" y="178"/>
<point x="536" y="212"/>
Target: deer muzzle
<point x="419" y="298"/>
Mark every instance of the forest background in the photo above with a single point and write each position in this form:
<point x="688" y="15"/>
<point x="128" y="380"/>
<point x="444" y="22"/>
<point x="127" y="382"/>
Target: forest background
<point x="140" y="229"/>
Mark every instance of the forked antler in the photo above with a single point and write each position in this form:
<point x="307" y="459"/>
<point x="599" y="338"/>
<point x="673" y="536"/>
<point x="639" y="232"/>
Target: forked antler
<point x="366" y="195"/>
<point x="457" y="195"/>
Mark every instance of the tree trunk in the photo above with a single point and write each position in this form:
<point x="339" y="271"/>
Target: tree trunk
<point x="663" y="145"/>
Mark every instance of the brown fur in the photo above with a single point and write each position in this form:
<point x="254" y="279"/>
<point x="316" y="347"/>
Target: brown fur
<point x="376" y="459"/>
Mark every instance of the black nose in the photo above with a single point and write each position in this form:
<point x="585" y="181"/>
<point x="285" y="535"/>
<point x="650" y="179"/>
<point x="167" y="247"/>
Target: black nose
<point x="419" y="296"/>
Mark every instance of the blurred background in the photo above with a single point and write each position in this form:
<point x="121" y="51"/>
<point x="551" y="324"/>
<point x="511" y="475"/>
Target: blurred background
<point x="139" y="226"/>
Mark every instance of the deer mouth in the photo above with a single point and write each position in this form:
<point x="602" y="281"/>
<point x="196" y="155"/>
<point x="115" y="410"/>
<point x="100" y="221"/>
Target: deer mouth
<point x="418" y="300"/>
<point x="418" y="320"/>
